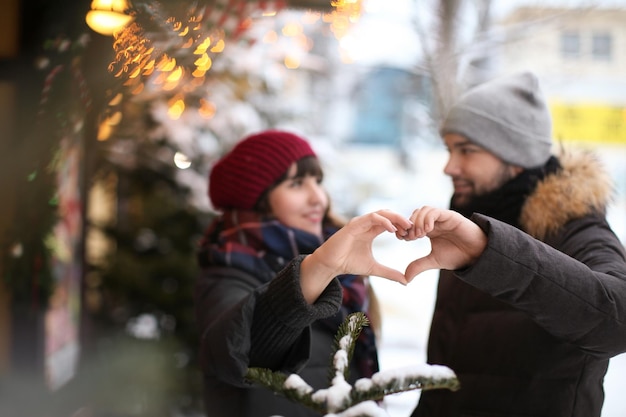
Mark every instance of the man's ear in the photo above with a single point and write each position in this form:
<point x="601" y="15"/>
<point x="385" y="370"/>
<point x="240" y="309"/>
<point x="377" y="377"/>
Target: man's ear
<point x="516" y="170"/>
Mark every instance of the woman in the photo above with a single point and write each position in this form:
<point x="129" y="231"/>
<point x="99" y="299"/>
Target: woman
<point x="260" y="300"/>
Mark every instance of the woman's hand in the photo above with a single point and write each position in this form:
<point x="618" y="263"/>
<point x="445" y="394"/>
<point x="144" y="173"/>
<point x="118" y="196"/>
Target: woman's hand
<point x="456" y="242"/>
<point x="349" y="251"/>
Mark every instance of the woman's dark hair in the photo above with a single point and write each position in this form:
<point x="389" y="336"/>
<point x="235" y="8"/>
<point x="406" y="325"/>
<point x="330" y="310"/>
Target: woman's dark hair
<point x="309" y="165"/>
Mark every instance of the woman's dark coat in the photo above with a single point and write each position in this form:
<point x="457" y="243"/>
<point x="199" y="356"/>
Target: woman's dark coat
<point x="232" y="308"/>
<point x="529" y="329"/>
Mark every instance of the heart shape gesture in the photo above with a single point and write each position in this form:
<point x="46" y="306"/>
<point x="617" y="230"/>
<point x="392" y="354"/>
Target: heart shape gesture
<point x="456" y="242"/>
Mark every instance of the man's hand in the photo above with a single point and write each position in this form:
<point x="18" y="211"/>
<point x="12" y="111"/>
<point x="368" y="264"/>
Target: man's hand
<point x="456" y="242"/>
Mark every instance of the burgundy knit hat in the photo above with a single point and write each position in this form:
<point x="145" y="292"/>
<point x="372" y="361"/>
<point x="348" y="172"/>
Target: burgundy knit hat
<point x="256" y="162"/>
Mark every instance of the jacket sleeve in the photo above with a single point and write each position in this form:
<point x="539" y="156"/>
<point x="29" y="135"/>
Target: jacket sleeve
<point x="577" y="294"/>
<point x="246" y="325"/>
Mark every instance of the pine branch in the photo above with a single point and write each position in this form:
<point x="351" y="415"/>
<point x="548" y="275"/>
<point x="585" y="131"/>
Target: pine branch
<point x="291" y="387"/>
<point x="358" y="401"/>
<point x="424" y="377"/>
<point x="345" y="339"/>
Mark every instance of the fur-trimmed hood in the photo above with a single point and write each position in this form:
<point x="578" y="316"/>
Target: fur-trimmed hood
<point x="580" y="188"/>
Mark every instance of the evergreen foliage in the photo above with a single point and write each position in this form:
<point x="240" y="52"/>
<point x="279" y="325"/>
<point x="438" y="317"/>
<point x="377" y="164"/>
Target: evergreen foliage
<point x="360" y="400"/>
<point x="150" y="268"/>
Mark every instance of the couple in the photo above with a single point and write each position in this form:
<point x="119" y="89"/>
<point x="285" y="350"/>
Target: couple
<point x="531" y="301"/>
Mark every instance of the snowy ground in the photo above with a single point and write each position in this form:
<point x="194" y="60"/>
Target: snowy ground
<point x="406" y="319"/>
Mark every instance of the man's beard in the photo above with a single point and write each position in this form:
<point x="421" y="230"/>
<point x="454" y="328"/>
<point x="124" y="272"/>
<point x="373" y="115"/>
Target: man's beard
<point x="463" y="200"/>
<point x="505" y="201"/>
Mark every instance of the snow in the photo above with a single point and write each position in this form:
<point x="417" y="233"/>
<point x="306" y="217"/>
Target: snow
<point x="341" y="358"/>
<point x="346" y="341"/>
<point x="363" y="384"/>
<point x="369" y="408"/>
<point x="296" y="383"/>
<point x="335" y="396"/>
<point x="339" y="394"/>
<point x="435" y="372"/>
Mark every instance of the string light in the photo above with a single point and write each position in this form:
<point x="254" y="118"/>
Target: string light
<point x="176" y="55"/>
<point x="345" y="13"/>
<point x="181" y="160"/>
<point x="108" y="16"/>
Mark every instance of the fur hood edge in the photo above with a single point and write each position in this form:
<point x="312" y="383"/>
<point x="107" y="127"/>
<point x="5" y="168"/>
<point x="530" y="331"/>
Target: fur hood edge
<point x="580" y="188"/>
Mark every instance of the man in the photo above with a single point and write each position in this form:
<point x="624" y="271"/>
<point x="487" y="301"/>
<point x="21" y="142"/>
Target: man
<point x="531" y="301"/>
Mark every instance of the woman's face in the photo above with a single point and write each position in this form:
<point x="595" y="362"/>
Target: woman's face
<point x="299" y="202"/>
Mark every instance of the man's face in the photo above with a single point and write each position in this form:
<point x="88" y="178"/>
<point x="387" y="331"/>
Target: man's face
<point x="474" y="170"/>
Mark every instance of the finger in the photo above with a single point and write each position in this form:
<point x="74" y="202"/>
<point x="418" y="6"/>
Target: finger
<point x="398" y="221"/>
<point x="401" y="222"/>
<point x="383" y="271"/>
<point x="418" y="218"/>
<point x="418" y="266"/>
<point x="369" y="223"/>
<point x="386" y="223"/>
<point x="393" y="216"/>
<point x="404" y="229"/>
<point x="411" y="232"/>
<point x="402" y="233"/>
<point x="399" y="228"/>
<point x="428" y="218"/>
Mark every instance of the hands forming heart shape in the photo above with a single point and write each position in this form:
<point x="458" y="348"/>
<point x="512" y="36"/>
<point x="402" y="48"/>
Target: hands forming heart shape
<point x="456" y="242"/>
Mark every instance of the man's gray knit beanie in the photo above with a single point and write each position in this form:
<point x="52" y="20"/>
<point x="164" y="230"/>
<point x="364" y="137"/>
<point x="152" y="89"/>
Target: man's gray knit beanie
<point x="508" y="116"/>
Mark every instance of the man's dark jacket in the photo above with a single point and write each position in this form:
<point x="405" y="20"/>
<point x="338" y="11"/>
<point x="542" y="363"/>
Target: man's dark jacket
<point x="529" y="328"/>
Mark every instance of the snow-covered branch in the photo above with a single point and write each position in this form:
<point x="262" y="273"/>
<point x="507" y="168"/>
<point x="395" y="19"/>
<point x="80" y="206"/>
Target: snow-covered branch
<point x="341" y="399"/>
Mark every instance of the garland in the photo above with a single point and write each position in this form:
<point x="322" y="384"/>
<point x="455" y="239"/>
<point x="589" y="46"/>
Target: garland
<point x="173" y="47"/>
<point x="169" y="47"/>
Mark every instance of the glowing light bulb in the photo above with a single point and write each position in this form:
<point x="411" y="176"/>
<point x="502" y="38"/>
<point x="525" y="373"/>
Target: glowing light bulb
<point x="108" y="16"/>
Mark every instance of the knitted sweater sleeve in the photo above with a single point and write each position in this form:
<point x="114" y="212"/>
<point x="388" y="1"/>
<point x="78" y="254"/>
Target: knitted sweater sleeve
<point x="245" y="325"/>
<point x="576" y="293"/>
<point x="281" y="314"/>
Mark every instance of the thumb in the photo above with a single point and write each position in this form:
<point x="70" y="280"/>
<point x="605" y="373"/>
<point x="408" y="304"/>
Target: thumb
<point x="383" y="271"/>
<point x="418" y="266"/>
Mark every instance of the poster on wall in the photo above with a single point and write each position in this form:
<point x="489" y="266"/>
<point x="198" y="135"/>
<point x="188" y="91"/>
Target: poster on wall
<point x="62" y="319"/>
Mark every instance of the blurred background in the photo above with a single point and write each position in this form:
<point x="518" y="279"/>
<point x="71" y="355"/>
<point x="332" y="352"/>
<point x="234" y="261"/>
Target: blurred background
<point x="107" y="137"/>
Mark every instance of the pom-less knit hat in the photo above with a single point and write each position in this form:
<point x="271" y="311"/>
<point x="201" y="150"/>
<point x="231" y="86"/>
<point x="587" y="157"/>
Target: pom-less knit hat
<point x="256" y="162"/>
<point x="507" y="116"/>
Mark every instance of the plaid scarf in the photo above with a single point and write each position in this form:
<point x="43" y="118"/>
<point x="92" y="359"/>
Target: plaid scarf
<point x="263" y="246"/>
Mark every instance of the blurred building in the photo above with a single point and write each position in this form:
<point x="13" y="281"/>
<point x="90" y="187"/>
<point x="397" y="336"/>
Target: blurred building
<point x="580" y="56"/>
<point x="383" y="98"/>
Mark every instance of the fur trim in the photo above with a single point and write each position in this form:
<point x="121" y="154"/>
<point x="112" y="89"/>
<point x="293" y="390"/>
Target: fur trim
<point x="580" y="188"/>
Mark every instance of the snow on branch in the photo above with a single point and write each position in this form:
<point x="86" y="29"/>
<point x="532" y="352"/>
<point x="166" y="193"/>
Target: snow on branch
<point x="341" y="399"/>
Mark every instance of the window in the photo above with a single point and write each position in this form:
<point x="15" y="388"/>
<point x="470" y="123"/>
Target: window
<point x="601" y="46"/>
<point x="570" y="44"/>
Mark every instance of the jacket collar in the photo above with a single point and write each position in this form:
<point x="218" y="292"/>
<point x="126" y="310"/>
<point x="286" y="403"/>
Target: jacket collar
<point x="580" y="188"/>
